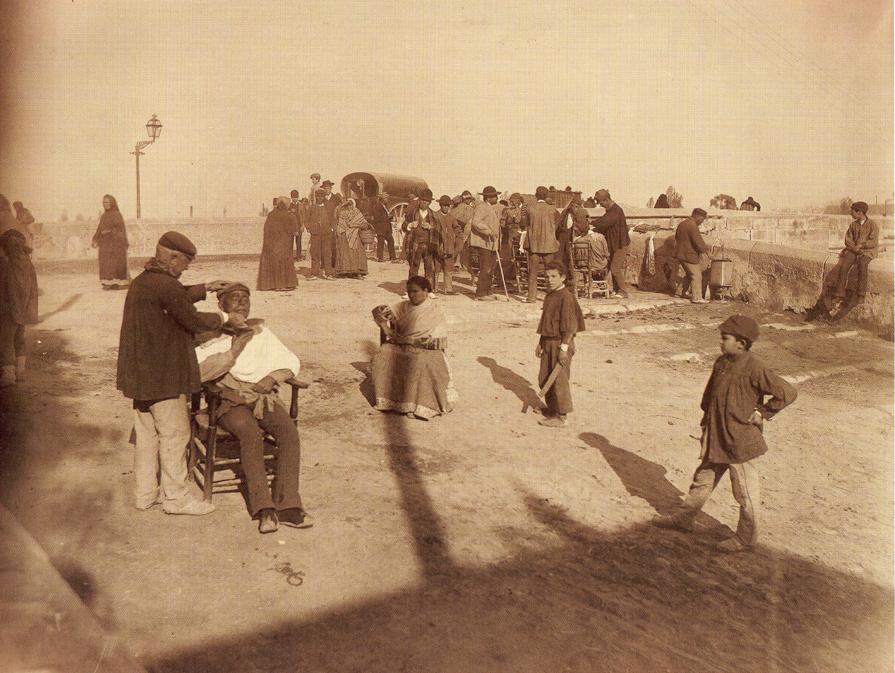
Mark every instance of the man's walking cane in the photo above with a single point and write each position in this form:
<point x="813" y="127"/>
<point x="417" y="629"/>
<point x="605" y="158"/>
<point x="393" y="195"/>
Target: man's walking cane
<point x="500" y="267"/>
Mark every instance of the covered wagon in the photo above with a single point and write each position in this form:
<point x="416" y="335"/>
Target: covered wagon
<point x="364" y="187"/>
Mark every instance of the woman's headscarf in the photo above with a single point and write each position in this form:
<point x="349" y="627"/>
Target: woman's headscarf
<point x="112" y="200"/>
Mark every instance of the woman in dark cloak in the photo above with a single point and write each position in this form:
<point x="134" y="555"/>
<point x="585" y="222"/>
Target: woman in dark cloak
<point x="276" y="270"/>
<point x="111" y="239"/>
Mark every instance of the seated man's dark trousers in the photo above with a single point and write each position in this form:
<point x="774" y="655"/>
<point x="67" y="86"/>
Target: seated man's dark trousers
<point x="846" y="262"/>
<point x="283" y="492"/>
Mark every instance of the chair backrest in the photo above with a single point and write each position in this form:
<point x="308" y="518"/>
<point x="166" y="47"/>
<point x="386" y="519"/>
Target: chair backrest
<point x="581" y="258"/>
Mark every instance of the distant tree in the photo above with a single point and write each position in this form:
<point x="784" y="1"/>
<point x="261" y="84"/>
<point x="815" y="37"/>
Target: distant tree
<point x="64" y="216"/>
<point x="675" y="198"/>
<point x="845" y="205"/>
<point x="724" y="202"/>
<point x="649" y="204"/>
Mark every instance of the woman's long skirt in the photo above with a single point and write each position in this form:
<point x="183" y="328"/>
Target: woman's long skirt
<point x="415" y="380"/>
<point x="113" y="263"/>
<point x="350" y="260"/>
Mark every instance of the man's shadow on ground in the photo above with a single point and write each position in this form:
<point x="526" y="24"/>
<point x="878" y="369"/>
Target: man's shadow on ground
<point x="511" y="381"/>
<point x="645" y="479"/>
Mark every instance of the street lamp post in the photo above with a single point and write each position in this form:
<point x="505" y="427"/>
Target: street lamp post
<point x="154" y="129"/>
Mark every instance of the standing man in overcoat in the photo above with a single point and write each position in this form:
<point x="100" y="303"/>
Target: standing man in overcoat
<point x="158" y="370"/>
<point x="540" y="240"/>
<point x="485" y="236"/>
<point x="614" y="227"/>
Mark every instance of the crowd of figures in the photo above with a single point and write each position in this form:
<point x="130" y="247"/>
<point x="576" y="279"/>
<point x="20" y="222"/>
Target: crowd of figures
<point x="437" y="237"/>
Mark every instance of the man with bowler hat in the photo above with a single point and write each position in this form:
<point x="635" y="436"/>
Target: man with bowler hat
<point x="484" y="236"/>
<point x="158" y="370"/>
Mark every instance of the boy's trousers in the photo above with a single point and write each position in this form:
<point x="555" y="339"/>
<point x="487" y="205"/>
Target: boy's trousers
<point x="744" y="481"/>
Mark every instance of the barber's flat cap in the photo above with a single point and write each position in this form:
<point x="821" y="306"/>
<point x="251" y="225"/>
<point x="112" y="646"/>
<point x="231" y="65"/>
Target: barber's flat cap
<point x="174" y="240"/>
<point x="466" y="194"/>
<point x="233" y="287"/>
<point x="699" y="211"/>
<point x="740" y="326"/>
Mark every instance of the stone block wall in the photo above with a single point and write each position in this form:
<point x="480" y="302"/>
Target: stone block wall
<point x="772" y="276"/>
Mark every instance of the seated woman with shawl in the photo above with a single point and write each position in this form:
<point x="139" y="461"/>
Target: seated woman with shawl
<point x="351" y="257"/>
<point x="411" y="374"/>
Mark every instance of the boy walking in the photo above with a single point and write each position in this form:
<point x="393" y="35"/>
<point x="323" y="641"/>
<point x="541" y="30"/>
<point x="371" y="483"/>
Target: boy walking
<point x="561" y="318"/>
<point x="734" y="410"/>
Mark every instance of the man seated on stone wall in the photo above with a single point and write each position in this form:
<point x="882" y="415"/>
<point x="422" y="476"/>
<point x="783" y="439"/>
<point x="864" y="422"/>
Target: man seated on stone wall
<point x="249" y="366"/>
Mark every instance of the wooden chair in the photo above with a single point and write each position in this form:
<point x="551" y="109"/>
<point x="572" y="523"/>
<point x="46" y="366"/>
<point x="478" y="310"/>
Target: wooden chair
<point x="208" y="440"/>
<point x="589" y="277"/>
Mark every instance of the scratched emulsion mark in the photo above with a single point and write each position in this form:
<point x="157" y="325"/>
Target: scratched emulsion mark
<point x="293" y="577"/>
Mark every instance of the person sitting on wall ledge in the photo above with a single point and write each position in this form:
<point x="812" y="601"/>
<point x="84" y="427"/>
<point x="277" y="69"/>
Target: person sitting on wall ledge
<point x="861" y="243"/>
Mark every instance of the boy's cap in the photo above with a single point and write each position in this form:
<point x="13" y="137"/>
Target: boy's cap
<point x="741" y="326"/>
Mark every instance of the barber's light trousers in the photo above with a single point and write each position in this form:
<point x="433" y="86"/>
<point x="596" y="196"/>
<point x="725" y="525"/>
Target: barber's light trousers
<point x="162" y="437"/>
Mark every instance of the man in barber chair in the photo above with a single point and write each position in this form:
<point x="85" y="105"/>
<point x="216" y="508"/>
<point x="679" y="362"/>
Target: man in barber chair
<point x="249" y="365"/>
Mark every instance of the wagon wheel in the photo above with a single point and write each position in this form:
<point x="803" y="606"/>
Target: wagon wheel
<point x="397" y="212"/>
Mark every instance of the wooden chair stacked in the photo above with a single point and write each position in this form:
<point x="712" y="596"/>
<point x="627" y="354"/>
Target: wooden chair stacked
<point x="214" y="450"/>
<point x="588" y="277"/>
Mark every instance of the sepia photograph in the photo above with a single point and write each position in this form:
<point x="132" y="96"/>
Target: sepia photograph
<point x="447" y="337"/>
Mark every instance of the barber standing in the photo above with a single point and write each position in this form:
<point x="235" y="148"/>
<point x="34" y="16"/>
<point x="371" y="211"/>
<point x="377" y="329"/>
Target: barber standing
<point x="157" y="369"/>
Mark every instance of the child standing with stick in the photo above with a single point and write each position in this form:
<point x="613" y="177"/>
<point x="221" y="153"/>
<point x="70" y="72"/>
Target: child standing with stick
<point x="561" y="318"/>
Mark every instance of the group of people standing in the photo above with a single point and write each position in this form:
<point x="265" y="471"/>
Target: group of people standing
<point x="338" y="233"/>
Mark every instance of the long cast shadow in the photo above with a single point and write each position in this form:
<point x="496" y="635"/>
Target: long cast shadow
<point x="64" y="306"/>
<point x="633" y="600"/>
<point x="643" y="478"/>
<point x="511" y="381"/>
<point x="426" y="527"/>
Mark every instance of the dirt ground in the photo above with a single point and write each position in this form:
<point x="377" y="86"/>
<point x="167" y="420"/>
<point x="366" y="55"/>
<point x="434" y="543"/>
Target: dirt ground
<point x="479" y="541"/>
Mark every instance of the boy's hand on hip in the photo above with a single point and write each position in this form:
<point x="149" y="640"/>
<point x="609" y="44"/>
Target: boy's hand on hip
<point x="756" y="419"/>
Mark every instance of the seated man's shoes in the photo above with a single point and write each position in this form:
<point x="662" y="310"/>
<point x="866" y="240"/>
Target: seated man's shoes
<point x="190" y="506"/>
<point x="268" y="522"/>
<point x="295" y="517"/>
<point x="671" y="523"/>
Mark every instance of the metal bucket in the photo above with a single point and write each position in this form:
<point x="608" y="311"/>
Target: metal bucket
<point x="721" y="273"/>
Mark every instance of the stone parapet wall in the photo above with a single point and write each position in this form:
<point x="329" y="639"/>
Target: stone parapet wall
<point x="772" y="276"/>
<point x="71" y="240"/>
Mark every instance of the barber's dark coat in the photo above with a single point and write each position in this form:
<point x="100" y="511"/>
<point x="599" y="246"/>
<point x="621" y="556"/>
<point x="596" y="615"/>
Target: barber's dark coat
<point x="156" y="358"/>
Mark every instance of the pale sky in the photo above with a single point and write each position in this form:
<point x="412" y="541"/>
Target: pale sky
<point x="790" y="102"/>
